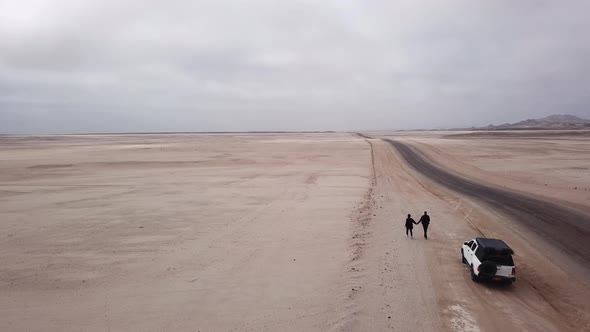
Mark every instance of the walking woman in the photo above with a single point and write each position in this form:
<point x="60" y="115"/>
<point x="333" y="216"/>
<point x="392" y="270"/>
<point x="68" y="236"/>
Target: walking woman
<point x="410" y="225"/>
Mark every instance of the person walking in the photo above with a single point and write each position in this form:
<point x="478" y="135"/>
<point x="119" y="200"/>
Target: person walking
<point x="410" y="225"/>
<point x="425" y="220"/>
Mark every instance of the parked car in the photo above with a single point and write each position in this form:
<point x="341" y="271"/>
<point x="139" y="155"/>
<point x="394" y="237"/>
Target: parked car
<point x="489" y="259"/>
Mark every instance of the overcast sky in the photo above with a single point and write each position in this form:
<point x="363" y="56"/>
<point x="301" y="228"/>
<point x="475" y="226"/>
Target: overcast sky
<point x="104" y="66"/>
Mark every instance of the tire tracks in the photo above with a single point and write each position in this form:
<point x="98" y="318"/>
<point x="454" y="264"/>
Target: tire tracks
<point x="360" y="220"/>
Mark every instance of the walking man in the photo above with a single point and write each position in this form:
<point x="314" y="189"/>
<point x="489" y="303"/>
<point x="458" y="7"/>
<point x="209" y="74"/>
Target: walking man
<point x="410" y="225"/>
<point x="425" y="220"/>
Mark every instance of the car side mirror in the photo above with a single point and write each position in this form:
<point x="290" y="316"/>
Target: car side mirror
<point x="465" y="243"/>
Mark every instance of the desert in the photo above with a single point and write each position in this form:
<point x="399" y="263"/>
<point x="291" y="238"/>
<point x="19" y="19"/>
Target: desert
<point x="287" y="231"/>
<point x="260" y="165"/>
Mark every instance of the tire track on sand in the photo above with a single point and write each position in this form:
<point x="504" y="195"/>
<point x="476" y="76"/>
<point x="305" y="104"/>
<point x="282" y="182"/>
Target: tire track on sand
<point x="360" y="220"/>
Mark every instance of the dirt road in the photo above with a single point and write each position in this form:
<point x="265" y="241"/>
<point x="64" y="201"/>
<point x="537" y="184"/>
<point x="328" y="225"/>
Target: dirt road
<point x="421" y="285"/>
<point x="566" y="228"/>
<point x="549" y="295"/>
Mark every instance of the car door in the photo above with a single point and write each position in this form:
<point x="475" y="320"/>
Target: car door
<point x="472" y="252"/>
<point x="467" y="252"/>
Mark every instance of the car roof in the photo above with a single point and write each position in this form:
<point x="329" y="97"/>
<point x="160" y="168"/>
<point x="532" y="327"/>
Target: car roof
<point x="494" y="245"/>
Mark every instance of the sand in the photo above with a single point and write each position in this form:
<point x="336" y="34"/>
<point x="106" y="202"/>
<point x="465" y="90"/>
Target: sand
<point x="259" y="232"/>
<point x="151" y="233"/>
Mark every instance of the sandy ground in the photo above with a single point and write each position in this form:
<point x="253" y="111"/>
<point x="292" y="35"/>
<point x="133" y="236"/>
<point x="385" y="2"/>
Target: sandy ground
<point x="178" y="233"/>
<point x="261" y="232"/>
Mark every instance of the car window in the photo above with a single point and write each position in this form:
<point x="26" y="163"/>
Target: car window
<point x="470" y="243"/>
<point x="473" y="246"/>
<point x="479" y="253"/>
<point x="501" y="259"/>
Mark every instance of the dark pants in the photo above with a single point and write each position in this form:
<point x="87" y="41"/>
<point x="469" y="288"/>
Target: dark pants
<point x="425" y="226"/>
<point x="408" y="229"/>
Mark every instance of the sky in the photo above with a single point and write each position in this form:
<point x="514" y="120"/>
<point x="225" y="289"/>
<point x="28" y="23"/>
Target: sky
<point x="220" y="65"/>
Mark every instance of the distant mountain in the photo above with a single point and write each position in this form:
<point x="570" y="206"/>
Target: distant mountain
<point x="557" y="121"/>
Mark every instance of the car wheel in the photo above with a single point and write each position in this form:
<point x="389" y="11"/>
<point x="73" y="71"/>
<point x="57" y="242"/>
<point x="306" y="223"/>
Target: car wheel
<point x="473" y="275"/>
<point x="488" y="269"/>
<point x="463" y="260"/>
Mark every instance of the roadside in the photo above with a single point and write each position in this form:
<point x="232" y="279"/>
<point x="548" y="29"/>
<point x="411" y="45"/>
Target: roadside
<point x="421" y="285"/>
<point x="553" y="170"/>
<point x="558" y="278"/>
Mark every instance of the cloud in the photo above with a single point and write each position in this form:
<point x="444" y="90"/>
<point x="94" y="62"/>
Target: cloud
<point x="77" y="66"/>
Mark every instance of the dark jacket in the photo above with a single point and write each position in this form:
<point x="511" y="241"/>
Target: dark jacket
<point x="425" y="219"/>
<point x="410" y="223"/>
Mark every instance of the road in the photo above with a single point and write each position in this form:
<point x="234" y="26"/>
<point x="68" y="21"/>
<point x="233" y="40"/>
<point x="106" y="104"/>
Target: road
<point x="564" y="227"/>
<point x="420" y="285"/>
<point x="549" y="294"/>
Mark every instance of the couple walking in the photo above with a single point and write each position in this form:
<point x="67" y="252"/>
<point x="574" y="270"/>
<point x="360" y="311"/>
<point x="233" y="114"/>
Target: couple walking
<point x="425" y="220"/>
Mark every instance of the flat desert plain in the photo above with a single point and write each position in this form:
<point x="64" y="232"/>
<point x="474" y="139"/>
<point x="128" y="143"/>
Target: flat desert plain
<point x="286" y="232"/>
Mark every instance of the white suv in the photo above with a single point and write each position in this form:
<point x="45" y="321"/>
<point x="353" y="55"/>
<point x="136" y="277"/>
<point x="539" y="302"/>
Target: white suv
<point x="489" y="259"/>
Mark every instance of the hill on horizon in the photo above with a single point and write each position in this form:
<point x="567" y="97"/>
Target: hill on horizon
<point x="555" y="121"/>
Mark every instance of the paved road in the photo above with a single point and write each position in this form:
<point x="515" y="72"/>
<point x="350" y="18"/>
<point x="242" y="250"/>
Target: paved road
<point x="564" y="227"/>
